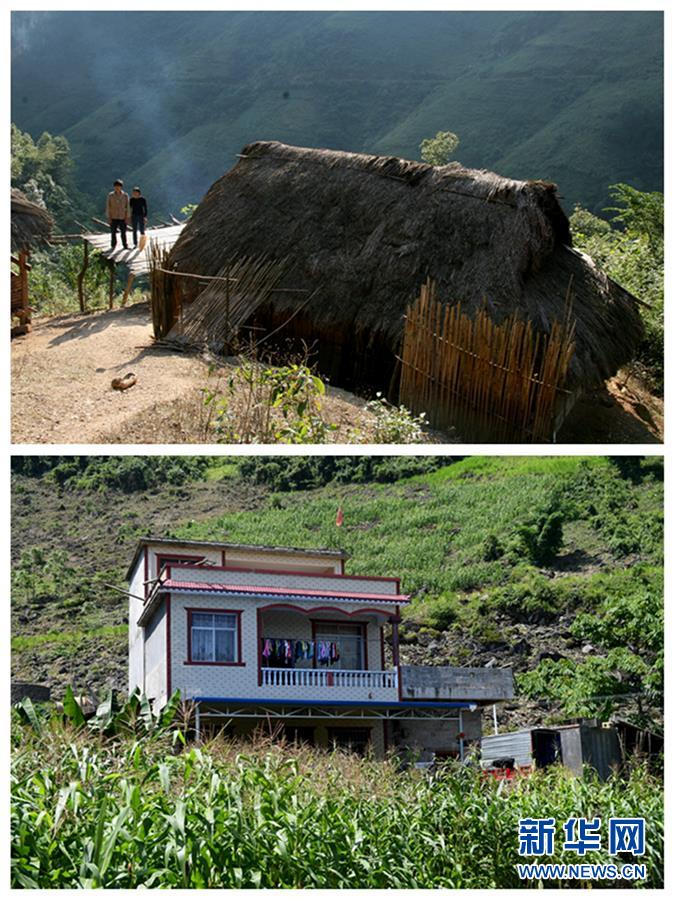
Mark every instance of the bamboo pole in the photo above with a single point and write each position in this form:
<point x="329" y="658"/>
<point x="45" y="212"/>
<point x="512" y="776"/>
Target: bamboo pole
<point x="111" y="284"/>
<point x="127" y="289"/>
<point x="81" y="275"/>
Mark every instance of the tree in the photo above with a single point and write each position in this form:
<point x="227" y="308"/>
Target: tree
<point x="439" y="150"/>
<point x="43" y="170"/>
<point x="631" y="253"/>
<point x="640" y="213"/>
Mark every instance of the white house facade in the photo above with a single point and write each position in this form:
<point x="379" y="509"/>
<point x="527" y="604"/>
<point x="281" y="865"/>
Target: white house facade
<point x="284" y="637"/>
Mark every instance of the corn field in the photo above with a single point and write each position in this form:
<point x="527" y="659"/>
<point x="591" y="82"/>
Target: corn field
<point x="139" y="812"/>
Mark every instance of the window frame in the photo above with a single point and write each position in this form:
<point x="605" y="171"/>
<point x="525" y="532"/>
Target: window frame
<point x="162" y="560"/>
<point x="191" y="610"/>
<point x="317" y="624"/>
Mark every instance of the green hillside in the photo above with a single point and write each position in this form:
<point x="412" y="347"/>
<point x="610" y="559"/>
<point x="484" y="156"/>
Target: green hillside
<point x="169" y="99"/>
<point x="550" y="565"/>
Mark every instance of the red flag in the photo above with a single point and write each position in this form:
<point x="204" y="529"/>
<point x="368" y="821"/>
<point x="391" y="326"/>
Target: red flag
<point x="339" y="518"/>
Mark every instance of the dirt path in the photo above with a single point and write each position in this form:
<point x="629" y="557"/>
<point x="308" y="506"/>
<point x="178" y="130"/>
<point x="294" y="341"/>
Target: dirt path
<point x="61" y="374"/>
<point x="61" y="393"/>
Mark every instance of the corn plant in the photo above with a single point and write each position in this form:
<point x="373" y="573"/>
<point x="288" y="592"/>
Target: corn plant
<point x="130" y="812"/>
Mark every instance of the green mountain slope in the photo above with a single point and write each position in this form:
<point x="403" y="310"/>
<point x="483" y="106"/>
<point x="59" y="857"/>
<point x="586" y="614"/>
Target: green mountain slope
<point x="551" y="565"/>
<point x="169" y="99"/>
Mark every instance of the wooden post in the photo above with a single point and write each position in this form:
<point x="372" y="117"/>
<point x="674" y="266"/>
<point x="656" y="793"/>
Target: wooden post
<point x="80" y="277"/>
<point x="227" y="309"/>
<point x="23" y="268"/>
<point x="127" y="289"/>
<point x="111" y="285"/>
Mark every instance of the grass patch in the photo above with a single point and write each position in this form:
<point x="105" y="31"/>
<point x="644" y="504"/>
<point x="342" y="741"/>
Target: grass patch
<point x="66" y="639"/>
<point x="218" y="470"/>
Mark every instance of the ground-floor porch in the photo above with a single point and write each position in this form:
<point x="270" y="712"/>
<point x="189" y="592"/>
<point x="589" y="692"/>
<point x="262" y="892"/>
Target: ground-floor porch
<point x="416" y="730"/>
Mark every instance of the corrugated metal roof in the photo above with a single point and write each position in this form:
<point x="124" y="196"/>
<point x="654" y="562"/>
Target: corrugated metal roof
<point x="171" y="584"/>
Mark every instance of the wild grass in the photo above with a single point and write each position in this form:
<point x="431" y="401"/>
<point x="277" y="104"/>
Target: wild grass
<point x="65" y="640"/>
<point x="136" y="813"/>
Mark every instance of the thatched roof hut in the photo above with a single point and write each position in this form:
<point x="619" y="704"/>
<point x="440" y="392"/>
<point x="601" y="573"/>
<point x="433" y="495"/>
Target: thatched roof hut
<point x="30" y="223"/>
<point x="367" y="230"/>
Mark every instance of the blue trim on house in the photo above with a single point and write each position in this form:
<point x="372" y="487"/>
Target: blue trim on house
<point x="395" y="704"/>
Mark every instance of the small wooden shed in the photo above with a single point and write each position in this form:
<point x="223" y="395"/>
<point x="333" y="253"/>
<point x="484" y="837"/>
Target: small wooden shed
<point x="30" y="226"/>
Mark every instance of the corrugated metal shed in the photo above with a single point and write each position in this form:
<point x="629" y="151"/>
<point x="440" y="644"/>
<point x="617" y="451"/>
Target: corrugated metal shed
<point x="592" y="746"/>
<point x="516" y="745"/>
<point x="579" y="745"/>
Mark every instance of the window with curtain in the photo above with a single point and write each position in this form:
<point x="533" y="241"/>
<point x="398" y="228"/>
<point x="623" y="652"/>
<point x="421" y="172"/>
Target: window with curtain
<point x="213" y="637"/>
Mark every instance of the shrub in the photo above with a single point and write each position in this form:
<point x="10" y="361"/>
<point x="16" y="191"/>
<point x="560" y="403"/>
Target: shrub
<point x="268" y="404"/>
<point x="395" y="424"/>
<point x="632" y="254"/>
<point x="492" y="548"/>
<point x="532" y="598"/>
<point x="125" y="473"/>
<point x="440" y="612"/>
<point x="541" y="539"/>
<point x="306" y="472"/>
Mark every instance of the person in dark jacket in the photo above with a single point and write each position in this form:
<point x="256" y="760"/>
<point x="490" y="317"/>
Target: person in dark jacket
<point x="139" y="213"/>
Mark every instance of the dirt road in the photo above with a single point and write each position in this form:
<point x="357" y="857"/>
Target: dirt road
<point x="61" y="374"/>
<point x="61" y="392"/>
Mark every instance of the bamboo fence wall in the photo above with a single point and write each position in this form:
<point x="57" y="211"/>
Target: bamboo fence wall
<point x="165" y="299"/>
<point x="491" y="382"/>
<point x="209" y="310"/>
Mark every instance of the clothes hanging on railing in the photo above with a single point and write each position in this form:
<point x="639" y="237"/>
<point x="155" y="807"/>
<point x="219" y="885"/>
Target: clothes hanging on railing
<point x="304" y="650"/>
<point x="282" y="653"/>
<point x="327" y="652"/>
<point x="285" y="652"/>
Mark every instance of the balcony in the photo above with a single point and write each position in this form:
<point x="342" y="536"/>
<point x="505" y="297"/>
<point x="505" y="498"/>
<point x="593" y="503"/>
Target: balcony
<point x="340" y="678"/>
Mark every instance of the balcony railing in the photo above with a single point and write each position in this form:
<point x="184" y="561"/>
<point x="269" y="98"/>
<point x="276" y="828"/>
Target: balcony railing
<point x="341" y="678"/>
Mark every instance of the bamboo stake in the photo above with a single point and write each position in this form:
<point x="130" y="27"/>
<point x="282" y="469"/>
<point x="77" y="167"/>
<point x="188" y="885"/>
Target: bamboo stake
<point x="81" y="275"/>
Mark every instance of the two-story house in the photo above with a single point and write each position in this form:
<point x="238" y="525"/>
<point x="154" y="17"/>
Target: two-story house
<point x="284" y="637"/>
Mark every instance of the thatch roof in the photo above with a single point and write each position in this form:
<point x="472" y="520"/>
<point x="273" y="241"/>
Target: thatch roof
<point x="31" y="224"/>
<point x="367" y="230"/>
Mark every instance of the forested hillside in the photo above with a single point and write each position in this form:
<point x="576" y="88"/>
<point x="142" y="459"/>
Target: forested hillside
<point x="168" y="99"/>
<point x="550" y="565"/>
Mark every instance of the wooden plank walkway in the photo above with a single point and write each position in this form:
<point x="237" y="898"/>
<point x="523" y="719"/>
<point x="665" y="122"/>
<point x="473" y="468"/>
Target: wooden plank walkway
<point x="136" y="261"/>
